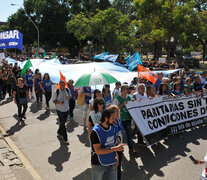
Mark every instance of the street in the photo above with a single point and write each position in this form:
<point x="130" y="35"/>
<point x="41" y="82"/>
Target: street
<point x="53" y="160"/>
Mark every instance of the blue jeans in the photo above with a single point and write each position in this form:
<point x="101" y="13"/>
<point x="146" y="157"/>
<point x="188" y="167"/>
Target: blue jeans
<point x="99" y="171"/>
<point x="127" y="127"/>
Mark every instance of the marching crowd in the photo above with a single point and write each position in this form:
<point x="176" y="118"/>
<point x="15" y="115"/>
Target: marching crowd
<point x="108" y="117"/>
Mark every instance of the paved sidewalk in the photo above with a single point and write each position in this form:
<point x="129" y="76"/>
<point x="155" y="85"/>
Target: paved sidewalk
<point x="11" y="168"/>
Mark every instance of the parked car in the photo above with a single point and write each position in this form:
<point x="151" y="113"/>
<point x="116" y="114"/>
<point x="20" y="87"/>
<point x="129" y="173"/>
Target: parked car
<point x="187" y="57"/>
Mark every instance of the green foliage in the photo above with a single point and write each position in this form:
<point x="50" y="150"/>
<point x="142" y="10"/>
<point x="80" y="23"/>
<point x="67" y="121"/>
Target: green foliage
<point x="107" y="27"/>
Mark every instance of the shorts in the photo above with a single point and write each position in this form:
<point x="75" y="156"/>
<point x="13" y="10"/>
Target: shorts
<point x="85" y="110"/>
<point x="30" y="88"/>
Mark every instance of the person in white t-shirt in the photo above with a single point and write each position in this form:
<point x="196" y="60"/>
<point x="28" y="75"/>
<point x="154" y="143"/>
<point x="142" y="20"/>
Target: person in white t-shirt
<point x="95" y="115"/>
<point x="141" y="93"/>
<point x="203" y="77"/>
<point x="116" y="91"/>
<point x="139" y="96"/>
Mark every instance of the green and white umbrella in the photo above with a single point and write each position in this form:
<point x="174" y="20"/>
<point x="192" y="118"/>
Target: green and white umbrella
<point x="95" y="78"/>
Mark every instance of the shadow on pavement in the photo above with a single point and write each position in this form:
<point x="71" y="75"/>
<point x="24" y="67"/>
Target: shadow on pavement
<point x="3" y="102"/>
<point x="35" y="107"/>
<point x="17" y="127"/>
<point x="83" y="138"/>
<point x="71" y="125"/>
<point x="86" y="175"/>
<point x="59" y="156"/>
<point x="154" y="158"/>
<point x="44" y="116"/>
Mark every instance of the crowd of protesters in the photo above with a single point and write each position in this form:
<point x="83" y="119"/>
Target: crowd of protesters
<point x="104" y="112"/>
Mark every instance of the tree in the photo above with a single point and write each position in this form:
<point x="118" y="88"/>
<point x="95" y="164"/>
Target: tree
<point x="162" y="20"/>
<point x="107" y="27"/>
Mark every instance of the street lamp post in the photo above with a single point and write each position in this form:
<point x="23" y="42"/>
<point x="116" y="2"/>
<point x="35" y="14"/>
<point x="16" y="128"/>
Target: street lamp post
<point x="38" y="37"/>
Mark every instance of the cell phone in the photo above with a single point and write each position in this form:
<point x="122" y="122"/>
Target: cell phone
<point x="193" y="159"/>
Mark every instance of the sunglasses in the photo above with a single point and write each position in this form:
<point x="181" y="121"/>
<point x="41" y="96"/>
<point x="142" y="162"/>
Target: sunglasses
<point x="101" y="103"/>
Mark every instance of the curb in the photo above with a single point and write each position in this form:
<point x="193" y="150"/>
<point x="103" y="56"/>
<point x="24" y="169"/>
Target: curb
<point x="28" y="166"/>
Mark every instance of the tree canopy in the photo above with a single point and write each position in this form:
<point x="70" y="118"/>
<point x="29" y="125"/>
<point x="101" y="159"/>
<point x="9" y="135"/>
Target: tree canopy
<point x="117" y="26"/>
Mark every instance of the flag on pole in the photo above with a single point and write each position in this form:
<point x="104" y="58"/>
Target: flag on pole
<point x="146" y="74"/>
<point x="36" y="54"/>
<point x="45" y="54"/>
<point x="27" y="65"/>
<point x="126" y="58"/>
<point x="133" y="61"/>
<point x="101" y="56"/>
<point x="62" y="78"/>
<point x="111" y="57"/>
<point x="54" y="56"/>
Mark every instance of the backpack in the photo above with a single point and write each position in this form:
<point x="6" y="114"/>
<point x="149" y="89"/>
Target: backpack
<point x="58" y="91"/>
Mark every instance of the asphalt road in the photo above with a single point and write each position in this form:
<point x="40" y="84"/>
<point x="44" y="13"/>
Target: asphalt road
<point x="37" y="139"/>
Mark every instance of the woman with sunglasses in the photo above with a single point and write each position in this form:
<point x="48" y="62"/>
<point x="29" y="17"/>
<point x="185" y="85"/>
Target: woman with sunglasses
<point x="95" y="115"/>
<point x="21" y="97"/>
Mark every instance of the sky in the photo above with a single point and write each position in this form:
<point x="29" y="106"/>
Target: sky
<point x="6" y="9"/>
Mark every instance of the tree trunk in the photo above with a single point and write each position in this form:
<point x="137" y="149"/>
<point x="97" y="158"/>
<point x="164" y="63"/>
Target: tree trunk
<point x="157" y="49"/>
<point x="204" y="49"/>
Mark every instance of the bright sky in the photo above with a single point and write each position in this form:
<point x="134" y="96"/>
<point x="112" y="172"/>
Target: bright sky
<point x="6" y="9"/>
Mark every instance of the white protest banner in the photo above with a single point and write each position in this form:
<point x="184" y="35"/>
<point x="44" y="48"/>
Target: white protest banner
<point x="2" y="56"/>
<point x="160" y="117"/>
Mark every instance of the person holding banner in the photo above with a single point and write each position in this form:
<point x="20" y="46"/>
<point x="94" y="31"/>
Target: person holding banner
<point x="188" y="87"/>
<point x="121" y="100"/>
<point x="151" y="92"/>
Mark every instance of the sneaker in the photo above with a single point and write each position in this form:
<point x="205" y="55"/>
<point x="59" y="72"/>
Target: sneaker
<point x="24" y="117"/>
<point x="47" y="108"/>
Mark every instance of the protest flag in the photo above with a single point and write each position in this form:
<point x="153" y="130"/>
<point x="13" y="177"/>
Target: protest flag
<point x="101" y="56"/>
<point x="133" y="61"/>
<point x="62" y="78"/>
<point x="54" y="56"/>
<point x="27" y="65"/>
<point x="146" y="74"/>
<point x="45" y="54"/>
<point x="36" y="54"/>
<point x="126" y="58"/>
<point x="111" y="57"/>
